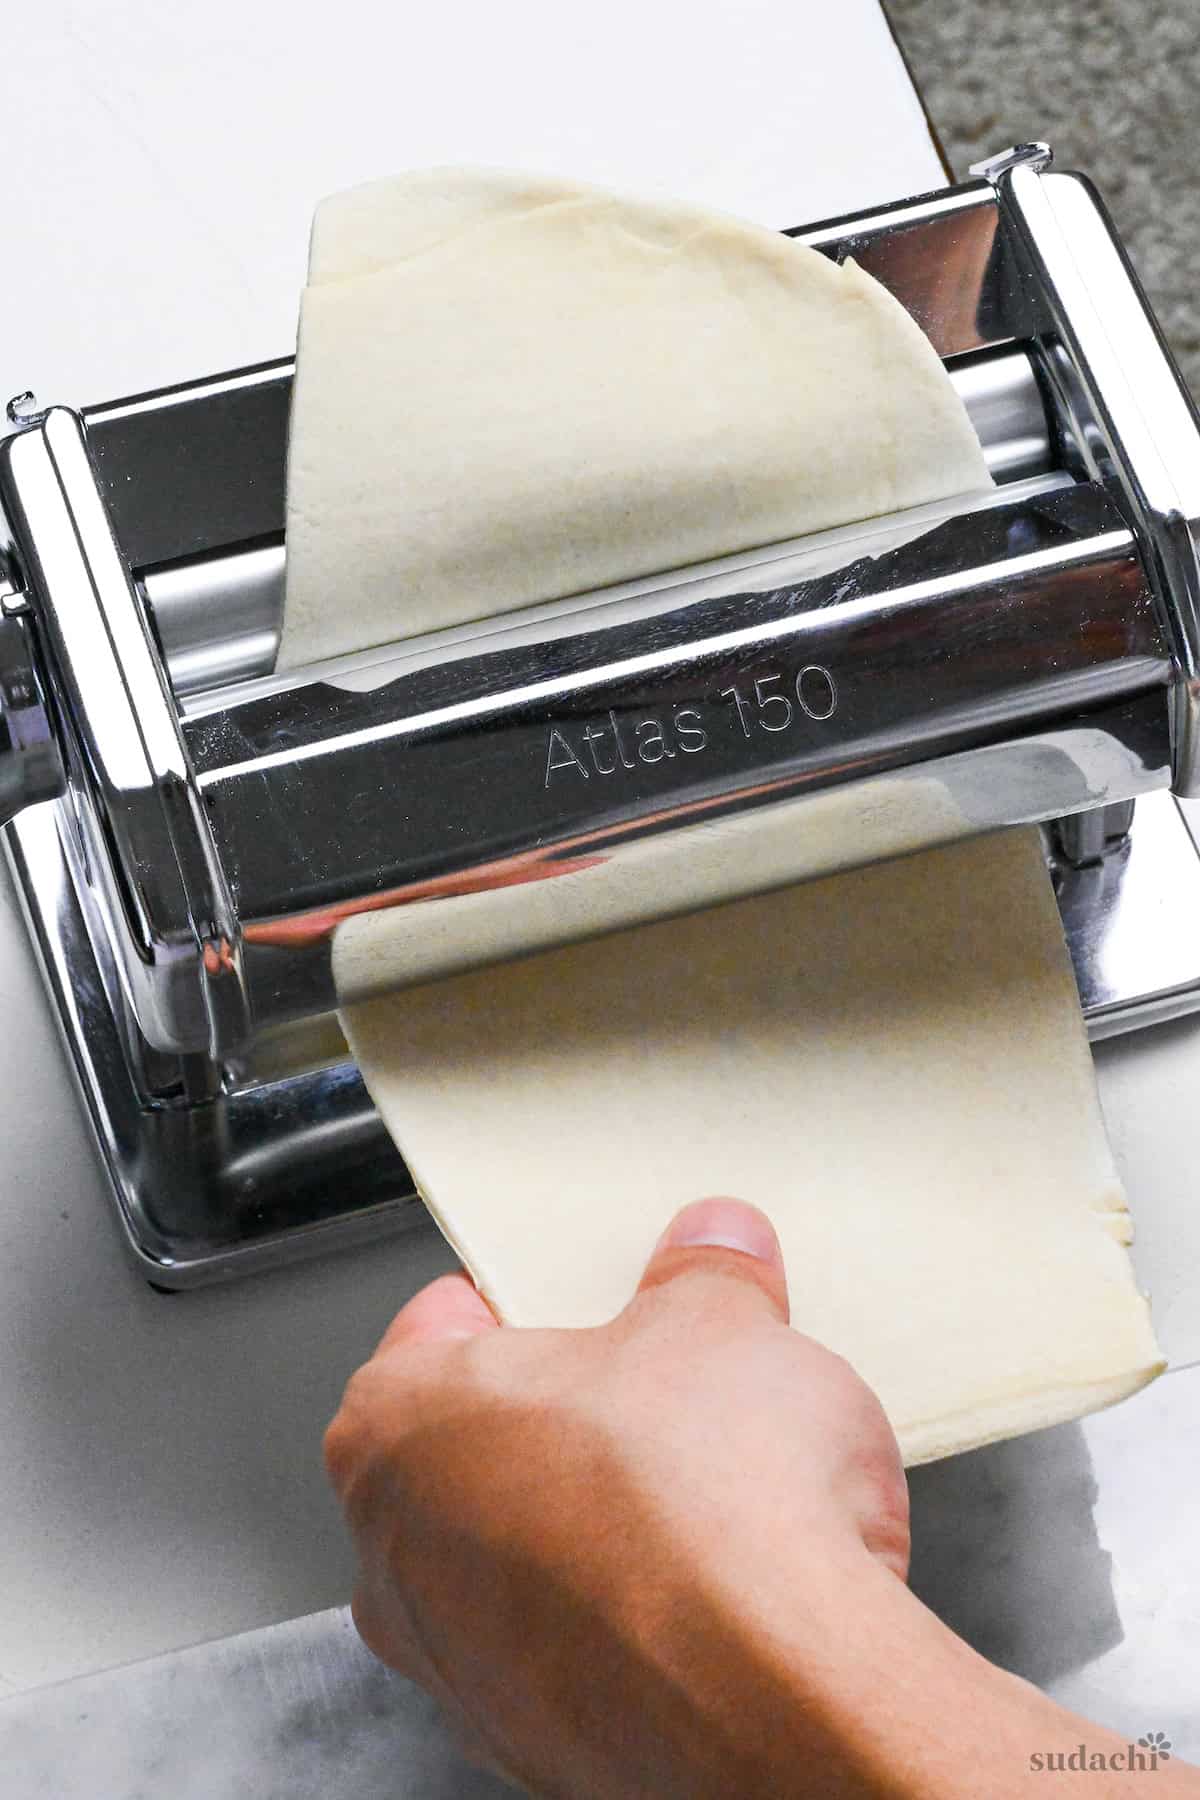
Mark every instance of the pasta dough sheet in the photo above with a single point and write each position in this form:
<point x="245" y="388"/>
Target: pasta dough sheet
<point x="752" y="852"/>
<point x="891" y="1063"/>
<point x="511" y="389"/>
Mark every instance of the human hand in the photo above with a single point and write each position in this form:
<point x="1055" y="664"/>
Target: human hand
<point x="624" y="1558"/>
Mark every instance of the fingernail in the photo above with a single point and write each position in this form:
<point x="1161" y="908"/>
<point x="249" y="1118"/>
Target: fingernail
<point x="722" y="1225"/>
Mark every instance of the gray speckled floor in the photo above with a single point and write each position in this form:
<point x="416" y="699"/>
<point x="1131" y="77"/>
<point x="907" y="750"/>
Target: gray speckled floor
<point x="1112" y="84"/>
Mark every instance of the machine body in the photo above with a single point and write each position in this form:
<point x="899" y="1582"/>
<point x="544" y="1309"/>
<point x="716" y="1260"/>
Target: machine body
<point x="189" y="830"/>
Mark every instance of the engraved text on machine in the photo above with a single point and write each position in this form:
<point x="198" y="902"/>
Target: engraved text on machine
<point x="768" y="700"/>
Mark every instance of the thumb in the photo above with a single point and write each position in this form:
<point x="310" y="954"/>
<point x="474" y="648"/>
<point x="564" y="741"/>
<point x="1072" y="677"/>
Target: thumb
<point x="728" y="1239"/>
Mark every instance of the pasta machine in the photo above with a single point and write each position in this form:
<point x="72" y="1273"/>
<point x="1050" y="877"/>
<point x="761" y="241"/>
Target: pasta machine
<point x="190" y="831"/>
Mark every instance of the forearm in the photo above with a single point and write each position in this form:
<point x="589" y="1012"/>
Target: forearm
<point x="894" y="1706"/>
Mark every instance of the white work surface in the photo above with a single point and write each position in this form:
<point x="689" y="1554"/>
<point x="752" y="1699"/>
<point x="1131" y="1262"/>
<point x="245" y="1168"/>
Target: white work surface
<point x="159" y="1456"/>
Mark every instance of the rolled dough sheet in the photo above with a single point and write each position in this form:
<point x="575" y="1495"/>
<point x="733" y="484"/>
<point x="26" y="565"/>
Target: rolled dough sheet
<point x="511" y="389"/>
<point x="891" y="1063"/>
<point x="379" y="950"/>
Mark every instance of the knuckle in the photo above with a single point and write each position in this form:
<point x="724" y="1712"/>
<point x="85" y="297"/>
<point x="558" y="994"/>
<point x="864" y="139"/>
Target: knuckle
<point x="883" y="1501"/>
<point x="337" y="1451"/>
<point x="341" y="1446"/>
<point x="888" y="1534"/>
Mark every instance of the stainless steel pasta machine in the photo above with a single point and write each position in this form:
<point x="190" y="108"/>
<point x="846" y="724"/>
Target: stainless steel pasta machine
<point x="189" y="830"/>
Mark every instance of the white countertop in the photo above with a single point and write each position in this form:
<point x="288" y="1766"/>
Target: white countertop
<point x="159" y="1455"/>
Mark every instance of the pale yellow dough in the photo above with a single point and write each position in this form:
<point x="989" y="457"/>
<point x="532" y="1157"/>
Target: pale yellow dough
<point x="891" y="1063"/>
<point x="513" y="389"/>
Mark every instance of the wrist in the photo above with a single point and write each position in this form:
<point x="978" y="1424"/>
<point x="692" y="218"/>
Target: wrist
<point x="900" y="1707"/>
<point x="845" y="1686"/>
<point x="820" y="1678"/>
